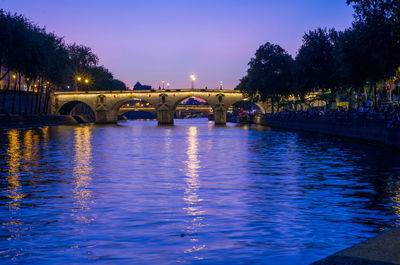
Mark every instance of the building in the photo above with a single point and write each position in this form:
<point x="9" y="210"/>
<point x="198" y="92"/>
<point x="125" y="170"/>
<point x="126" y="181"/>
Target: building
<point x="139" y="86"/>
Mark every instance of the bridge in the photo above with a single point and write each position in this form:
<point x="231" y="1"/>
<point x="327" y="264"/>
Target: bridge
<point x="180" y="110"/>
<point x="106" y="105"/>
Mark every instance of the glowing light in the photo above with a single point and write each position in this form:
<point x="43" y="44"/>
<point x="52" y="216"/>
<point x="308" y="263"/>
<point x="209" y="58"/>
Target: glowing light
<point x="14" y="76"/>
<point x="82" y="175"/>
<point x="191" y="196"/>
<point x="193" y="77"/>
<point x="79" y="78"/>
<point x="87" y="81"/>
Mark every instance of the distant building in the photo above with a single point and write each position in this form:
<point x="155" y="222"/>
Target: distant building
<point x="139" y="86"/>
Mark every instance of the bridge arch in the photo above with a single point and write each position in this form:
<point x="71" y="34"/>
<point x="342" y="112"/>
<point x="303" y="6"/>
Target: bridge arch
<point x="257" y="104"/>
<point x="117" y="105"/>
<point x="83" y="109"/>
<point x="142" y="109"/>
<point x="67" y="108"/>
<point x="180" y="100"/>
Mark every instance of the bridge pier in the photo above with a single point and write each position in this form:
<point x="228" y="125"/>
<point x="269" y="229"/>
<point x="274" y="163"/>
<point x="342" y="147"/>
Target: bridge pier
<point x="165" y="116"/>
<point x="258" y="118"/>
<point x="103" y="116"/>
<point x="220" y="114"/>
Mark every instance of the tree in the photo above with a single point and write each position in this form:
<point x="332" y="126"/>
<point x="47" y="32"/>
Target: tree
<point x="104" y="80"/>
<point x="314" y="63"/>
<point x="382" y="9"/>
<point x="270" y="72"/>
<point x="116" y="84"/>
<point x="366" y="53"/>
<point x="82" y="59"/>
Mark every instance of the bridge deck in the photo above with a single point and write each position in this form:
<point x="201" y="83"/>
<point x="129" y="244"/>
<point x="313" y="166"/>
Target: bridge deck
<point x="147" y="91"/>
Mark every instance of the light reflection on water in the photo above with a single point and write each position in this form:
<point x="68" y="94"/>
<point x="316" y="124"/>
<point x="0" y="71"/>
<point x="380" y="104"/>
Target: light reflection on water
<point x="189" y="193"/>
<point x="82" y="174"/>
<point x="191" y="196"/>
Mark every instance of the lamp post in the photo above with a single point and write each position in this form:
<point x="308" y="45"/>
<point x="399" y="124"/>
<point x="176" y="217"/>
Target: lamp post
<point x="193" y="78"/>
<point x="78" y="80"/>
<point x="163" y="84"/>
<point x="87" y="84"/>
<point x="220" y="85"/>
<point x="167" y="85"/>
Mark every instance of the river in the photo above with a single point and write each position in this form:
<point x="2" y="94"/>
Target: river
<point x="137" y="193"/>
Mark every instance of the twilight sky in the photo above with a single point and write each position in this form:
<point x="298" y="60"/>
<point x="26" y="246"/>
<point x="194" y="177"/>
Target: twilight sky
<point x="154" y="40"/>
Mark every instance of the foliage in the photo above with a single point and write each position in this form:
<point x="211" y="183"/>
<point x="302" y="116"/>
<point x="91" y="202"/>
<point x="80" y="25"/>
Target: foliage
<point x="363" y="55"/>
<point x="29" y="51"/>
<point x="269" y="73"/>
<point x="315" y="64"/>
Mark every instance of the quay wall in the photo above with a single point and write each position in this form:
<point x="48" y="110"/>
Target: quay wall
<point x="12" y="102"/>
<point x="375" y="131"/>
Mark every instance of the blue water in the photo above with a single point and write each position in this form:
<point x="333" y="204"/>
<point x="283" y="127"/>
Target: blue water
<point x="136" y="193"/>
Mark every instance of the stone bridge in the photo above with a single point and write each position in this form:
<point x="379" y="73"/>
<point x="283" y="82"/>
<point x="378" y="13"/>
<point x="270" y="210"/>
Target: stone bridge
<point x="106" y="104"/>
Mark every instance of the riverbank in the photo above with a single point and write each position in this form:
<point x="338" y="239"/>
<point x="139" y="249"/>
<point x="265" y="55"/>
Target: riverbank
<point x="21" y="121"/>
<point x="379" y="250"/>
<point x="370" y="130"/>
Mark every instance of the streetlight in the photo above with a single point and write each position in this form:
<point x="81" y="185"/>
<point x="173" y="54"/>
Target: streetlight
<point x="220" y="85"/>
<point x="193" y="78"/>
<point x="87" y="84"/>
<point x="163" y="84"/>
<point x="78" y="80"/>
<point x="167" y="85"/>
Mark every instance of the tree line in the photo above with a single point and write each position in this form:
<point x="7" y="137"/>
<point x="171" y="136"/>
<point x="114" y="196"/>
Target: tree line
<point x="34" y="62"/>
<point x="363" y="58"/>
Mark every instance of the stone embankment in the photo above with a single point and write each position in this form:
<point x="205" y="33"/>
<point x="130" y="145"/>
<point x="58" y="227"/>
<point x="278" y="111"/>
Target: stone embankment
<point x="375" y="130"/>
<point x="21" y="121"/>
<point x="380" y="250"/>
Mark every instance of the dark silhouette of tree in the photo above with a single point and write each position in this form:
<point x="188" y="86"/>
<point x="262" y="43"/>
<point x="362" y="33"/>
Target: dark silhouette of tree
<point x="377" y="9"/>
<point x="42" y="60"/>
<point x="314" y="63"/>
<point x="270" y="72"/>
<point x="366" y="53"/>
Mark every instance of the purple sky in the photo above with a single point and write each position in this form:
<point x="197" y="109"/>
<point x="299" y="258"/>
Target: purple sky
<point x="154" y="40"/>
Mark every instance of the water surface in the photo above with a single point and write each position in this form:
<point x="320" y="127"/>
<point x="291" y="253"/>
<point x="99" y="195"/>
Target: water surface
<point x="136" y="193"/>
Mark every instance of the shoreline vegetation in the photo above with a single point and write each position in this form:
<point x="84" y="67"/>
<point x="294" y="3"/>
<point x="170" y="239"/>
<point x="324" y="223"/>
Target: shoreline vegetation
<point x="33" y="63"/>
<point x="357" y="67"/>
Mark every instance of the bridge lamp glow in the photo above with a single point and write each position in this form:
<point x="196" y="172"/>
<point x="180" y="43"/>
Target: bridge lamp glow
<point x="86" y="81"/>
<point x="193" y="78"/>
<point x="14" y="76"/>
